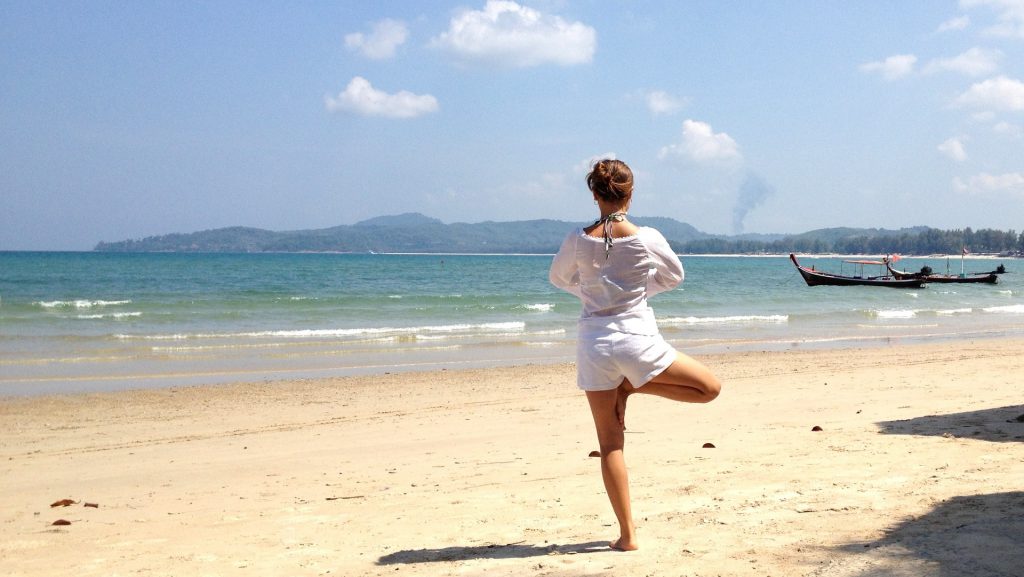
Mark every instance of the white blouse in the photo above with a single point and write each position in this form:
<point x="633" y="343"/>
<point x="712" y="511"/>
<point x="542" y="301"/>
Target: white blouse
<point x="614" y="291"/>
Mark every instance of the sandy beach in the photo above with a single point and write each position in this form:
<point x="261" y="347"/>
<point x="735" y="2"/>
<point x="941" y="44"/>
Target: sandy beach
<point x="918" y="469"/>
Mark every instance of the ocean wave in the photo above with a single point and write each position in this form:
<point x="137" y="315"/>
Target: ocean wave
<point x="517" y="326"/>
<point x="539" y="307"/>
<point x="79" y="304"/>
<point x="895" y="314"/>
<point x="890" y="327"/>
<point x="950" y="312"/>
<point x="211" y="348"/>
<point x="517" y="333"/>
<point x="736" y="319"/>
<point x="1015" y="309"/>
<point x="115" y="316"/>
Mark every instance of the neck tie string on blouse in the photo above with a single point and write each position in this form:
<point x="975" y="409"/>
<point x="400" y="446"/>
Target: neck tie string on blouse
<point x="607" y="223"/>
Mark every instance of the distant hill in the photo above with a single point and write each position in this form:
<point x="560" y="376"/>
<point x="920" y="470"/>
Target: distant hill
<point x="832" y="235"/>
<point x="400" y="220"/>
<point x="416" y="233"/>
<point x="410" y="232"/>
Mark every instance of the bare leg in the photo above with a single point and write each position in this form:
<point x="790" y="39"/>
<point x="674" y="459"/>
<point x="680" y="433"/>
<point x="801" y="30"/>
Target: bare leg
<point x="611" y="438"/>
<point x="686" y="380"/>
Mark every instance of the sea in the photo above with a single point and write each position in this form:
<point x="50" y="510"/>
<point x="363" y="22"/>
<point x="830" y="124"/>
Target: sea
<point x="75" y="322"/>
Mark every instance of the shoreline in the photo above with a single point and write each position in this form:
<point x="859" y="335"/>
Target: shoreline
<point x="382" y="363"/>
<point x="486" y="471"/>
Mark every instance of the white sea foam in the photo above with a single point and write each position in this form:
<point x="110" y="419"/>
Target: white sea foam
<point x="737" y="319"/>
<point x="209" y="348"/>
<point x="539" y="307"/>
<point x="892" y="326"/>
<point x="896" y="314"/>
<point x="432" y="337"/>
<point x="115" y="316"/>
<point x="490" y="328"/>
<point x="1015" y="309"/>
<point x="517" y="333"/>
<point x="950" y="312"/>
<point x="79" y="304"/>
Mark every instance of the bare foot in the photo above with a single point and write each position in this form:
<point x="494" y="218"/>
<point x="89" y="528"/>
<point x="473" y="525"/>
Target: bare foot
<point x="623" y="544"/>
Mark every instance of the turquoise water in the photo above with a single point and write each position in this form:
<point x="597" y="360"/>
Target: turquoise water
<point x="95" y="321"/>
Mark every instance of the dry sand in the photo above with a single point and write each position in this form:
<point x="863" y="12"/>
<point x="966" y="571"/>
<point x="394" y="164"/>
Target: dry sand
<point x="918" y="470"/>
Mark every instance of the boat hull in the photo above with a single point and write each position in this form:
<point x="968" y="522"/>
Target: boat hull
<point x="989" y="278"/>
<point x="817" y="278"/>
<point x="985" y="277"/>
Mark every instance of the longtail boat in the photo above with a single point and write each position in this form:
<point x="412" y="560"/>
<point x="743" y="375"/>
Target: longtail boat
<point x="984" y="277"/>
<point x="815" y="277"/>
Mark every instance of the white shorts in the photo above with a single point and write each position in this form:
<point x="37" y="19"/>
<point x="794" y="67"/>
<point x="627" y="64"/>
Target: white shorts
<point x="603" y="360"/>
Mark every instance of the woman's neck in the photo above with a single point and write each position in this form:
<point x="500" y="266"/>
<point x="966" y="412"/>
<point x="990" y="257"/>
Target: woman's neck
<point x="608" y="208"/>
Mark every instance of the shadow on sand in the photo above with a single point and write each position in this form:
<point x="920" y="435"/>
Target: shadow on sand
<point x="997" y="425"/>
<point x="509" y="551"/>
<point x="976" y="536"/>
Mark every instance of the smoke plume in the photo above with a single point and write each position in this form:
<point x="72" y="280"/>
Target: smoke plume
<point x="753" y="191"/>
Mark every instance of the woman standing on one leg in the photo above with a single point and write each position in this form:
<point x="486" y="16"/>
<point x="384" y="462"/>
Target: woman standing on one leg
<point x="613" y="266"/>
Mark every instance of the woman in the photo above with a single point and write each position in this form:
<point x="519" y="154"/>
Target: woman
<point x="613" y="266"/>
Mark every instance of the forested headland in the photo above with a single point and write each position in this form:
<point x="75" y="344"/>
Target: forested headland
<point x="416" y="233"/>
<point x="919" y="241"/>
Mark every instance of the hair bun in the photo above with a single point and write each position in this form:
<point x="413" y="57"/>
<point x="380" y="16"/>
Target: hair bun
<point x="611" y="180"/>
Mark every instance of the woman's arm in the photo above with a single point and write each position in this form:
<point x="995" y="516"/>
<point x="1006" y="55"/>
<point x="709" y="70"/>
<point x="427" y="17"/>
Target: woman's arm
<point x="668" y="270"/>
<point x="564" y="272"/>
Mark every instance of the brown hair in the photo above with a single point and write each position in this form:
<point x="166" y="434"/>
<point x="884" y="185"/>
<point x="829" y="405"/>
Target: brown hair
<point x="611" y="180"/>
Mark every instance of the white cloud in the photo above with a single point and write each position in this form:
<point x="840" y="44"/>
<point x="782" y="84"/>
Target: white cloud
<point x="957" y="23"/>
<point x="360" y="97"/>
<point x="1011" y="182"/>
<point x="381" y="42"/>
<point x="660" y="102"/>
<point x="999" y="93"/>
<point x="954" y="149"/>
<point x="508" y="34"/>
<point x="702" y="145"/>
<point x="1010" y="15"/>
<point x="974" y="62"/>
<point x="1008" y="129"/>
<point x="892" y="67"/>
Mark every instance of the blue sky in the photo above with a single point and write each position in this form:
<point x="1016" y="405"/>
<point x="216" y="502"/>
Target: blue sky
<point x="129" y="119"/>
